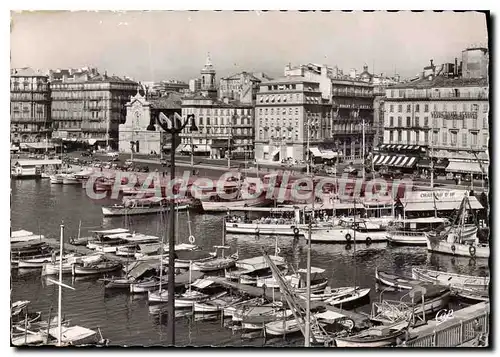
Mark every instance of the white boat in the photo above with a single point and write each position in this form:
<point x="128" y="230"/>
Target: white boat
<point x="412" y="231"/>
<point x="465" y="250"/>
<point x="67" y="268"/>
<point x="329" y="293"/>
<point x="396" y="281"/>
<point x="217" y="304"/>
<point x="348" y="297"/>
<point x="223" y="206"/>
<point x="189" y="298"/>
<point x="280" y="328"/>
<point x="24" y="236"/>
<point x="452" y="279"/>
<point x="142" y="206"/>
<point x="56" y="179"/>
<point x="298" y="280"/>
<point x="38" y="263"/>
<point x="231" y="309"/>
<point x="95" y="268"/>
<point x="70" y="179"/>
<point x="347" y="231"/>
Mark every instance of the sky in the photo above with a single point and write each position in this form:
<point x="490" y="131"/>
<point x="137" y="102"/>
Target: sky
<point x="161" y="45"/>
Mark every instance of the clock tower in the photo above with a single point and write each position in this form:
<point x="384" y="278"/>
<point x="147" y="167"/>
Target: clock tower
<point x="208" y="88"/>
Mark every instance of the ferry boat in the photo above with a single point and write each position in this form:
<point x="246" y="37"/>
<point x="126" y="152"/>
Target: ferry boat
<point x="142" y="206"/>
<point x="412" y="230"/>
<point x="347" y="230"/>
<point x="277" y="223"/>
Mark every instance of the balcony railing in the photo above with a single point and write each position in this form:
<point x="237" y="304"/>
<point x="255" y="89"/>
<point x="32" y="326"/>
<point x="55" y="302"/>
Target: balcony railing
<point x="447" y="96"/>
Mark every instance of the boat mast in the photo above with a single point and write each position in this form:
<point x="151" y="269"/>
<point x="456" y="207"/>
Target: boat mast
<point x="307" y="341"/>
<point x="59" y="312"/>
<point x="354" y="250"/>
<point x="79" y="229"/>
<point x="162" y="215"/>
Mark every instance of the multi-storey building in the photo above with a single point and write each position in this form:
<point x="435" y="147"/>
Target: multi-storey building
<point x="30" y="120"/>
<point x="445" y="114"/>
<point x="475" y="62"/>
<point x="315" y="102"/>
<point x="164" y="87"/>
<point x="224" y="126"/>
<point x="88" y="106"/>
<point x="241" y="86"/>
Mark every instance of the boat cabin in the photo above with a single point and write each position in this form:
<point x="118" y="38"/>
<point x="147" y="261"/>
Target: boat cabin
<point x="33" y="168"/>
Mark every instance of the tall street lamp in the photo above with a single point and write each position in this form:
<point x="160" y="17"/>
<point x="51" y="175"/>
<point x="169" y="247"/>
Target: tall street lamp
<point x="173" y="127"/>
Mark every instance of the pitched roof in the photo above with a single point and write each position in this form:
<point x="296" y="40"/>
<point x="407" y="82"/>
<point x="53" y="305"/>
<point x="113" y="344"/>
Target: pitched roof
<point x="26" y="72"/>
<point x="172" y="100"/>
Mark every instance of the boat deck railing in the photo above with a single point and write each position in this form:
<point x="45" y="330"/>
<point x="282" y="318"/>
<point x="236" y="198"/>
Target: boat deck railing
<point x="454" y="332"/>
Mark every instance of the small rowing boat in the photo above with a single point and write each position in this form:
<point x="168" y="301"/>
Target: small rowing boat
<point x="397" y="281"/>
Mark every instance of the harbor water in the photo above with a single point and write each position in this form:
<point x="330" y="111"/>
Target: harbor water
<point x="129" y="320"/>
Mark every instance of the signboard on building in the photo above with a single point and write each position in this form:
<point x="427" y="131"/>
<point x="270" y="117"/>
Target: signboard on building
<point x="454" y="115"/>
<point x="426" y="196"/>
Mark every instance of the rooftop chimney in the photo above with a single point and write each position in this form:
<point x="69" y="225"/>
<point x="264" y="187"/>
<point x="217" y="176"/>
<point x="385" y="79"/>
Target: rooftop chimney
<point x="455" y="69"/>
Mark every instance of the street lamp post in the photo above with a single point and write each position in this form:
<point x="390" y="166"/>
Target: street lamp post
<point x="174" y="130"/>
<point x="229" y="142"/>
<point x="308" y="152"/>
<point x="363" y="146"/>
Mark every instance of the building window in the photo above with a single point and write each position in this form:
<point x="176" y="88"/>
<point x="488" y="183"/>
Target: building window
<point x="475" y="107"/>
<point x="464" y="140"/>
<point x="426" y="122"/>
<point x="474" y="123"/>
<point x="474" y="139"/>
<point x="485" y="140"/>
<point x="426" y="108"/>
<point x="408" y="122"/>
<point x="485" y="108"/>
<point x="445" y="107"/>
<point x="417" y="137"/>
<point x="208" y="121"/>
<point x="454" y="107"/>
<point x="400" y="108"/>
<point x="454" y="123"/>
<point x="400" y="136"/>
<point x="400" y="122"/>
<point x="260" y="111"/>
<point x="485" y="123"/>
<point x="445" y="138"/>
<point x="417" y="121"/>
<point x="417" y="107"/>
<point x="391" y="136"/>
<point x="391" y="108"/>
<point x="408" y="136"/>
<point x="464" y="123"/>
<point x="464" y="107"/>
<point x="434" y="138"/>
<point x="445" y="123"/>
<point x="408" y="108"/>
<point x="426" y="137"/>
<point x="453" y="138"/>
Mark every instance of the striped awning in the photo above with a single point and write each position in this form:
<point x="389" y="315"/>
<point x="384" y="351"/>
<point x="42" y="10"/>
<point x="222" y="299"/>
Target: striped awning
<point x="399" y="147"/>
<point x="394" y="160"/>
<point x="315" y="151"/>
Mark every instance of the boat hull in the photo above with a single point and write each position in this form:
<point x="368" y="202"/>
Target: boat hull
<point x="211" y="206"/>
<point x="115" y="212"/>
<point x="445" y="278"/>
<point x="463" y="250"/>
<point x="81" y="270"/>
<point x="344" y="236"/>
<point x="359" y="342"/>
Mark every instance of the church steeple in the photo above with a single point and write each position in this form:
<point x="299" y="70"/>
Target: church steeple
<point x="208" y="86"/>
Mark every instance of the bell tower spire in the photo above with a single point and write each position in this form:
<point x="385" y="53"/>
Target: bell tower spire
<point x="208" y="86"/>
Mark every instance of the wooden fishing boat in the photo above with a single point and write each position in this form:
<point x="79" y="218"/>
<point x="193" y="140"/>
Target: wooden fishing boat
<point x="185" y="258"/>
<point x="188" y="298"/>
<point x="329" y="293"/>
<point x="471" y="294"/>
<point x="96" y="268"/>
<point x="67" y="267"/>
<point x="180" y="280"/>
<point x="280" y="328"/>
<point x="348" y="297"/>
<point x="397" y="281"/>
<point x="216" y="304"/>
<point x="230" y="310"/>
<point x="214" y="264"/>
<point x="147" y="285"/>
<point x="445" y="278"/>
<point x="38" y="263"/>
<point x="21" y="315"/>
<point x="378" y="336"/>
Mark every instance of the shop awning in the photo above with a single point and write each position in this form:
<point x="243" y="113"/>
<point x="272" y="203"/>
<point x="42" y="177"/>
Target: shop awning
<point x="394" y="160"/>
<point x="440" y="205"/>
<point x="329" y="154"/>
<point x="464" y="167"/>
<point x="401" y="147"/>
<point x="315" y="151"/>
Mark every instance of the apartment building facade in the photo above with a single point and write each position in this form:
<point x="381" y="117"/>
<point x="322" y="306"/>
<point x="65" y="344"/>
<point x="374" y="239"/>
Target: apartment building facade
<point x="89" y="106"/>
<point x="30" y="116"/>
